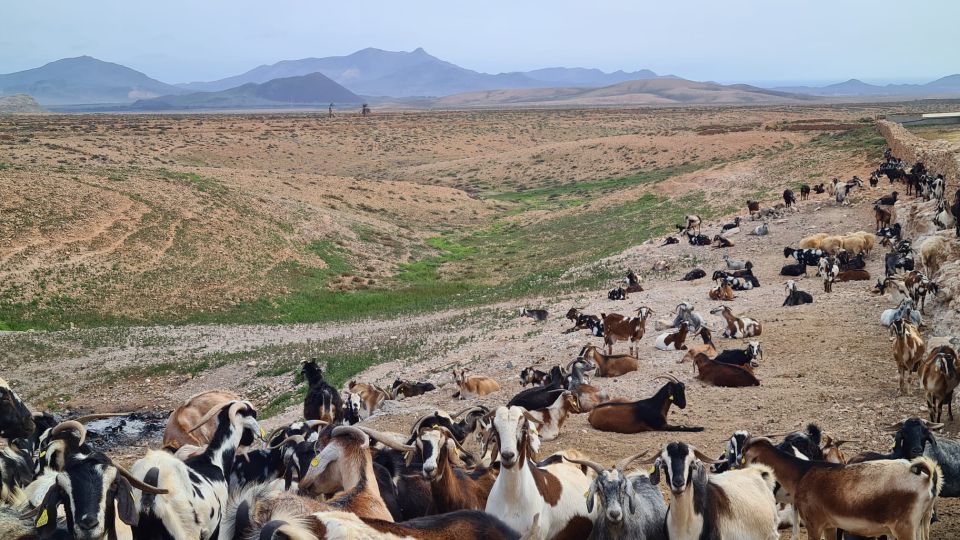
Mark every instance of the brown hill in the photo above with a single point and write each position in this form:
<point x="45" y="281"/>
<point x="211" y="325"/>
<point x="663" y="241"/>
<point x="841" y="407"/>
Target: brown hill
<point x="664" y="91"/>
<point x="19" y="103"/>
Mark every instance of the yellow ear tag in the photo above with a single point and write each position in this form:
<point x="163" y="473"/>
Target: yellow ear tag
<point x="42" y="520"/>
<point x="671" y="398"/>
<point x="263" y="434"/>
<point x="315" y="462"/>
<point x="586" y="494"/>
<point x="743" y="460"/>
<point x="653" y="469"/>
<point x="43" y="453"/>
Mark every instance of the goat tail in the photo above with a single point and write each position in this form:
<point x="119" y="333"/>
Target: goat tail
<point x="279" y="528"/>
<point x="926" y="466"/>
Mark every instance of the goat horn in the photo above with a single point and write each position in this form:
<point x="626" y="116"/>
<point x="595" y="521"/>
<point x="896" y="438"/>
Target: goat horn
<point x="467" y="410"/>
<point x="210" y="414"/>
<point x="623" y="463"/>
<point x="293" y="438"/>
<point x="314" y="424"/>
<point x="384" y="439"/>
<point x="139" y="484"/>
<point x="586" y="463"/>
<point x="531" y="418"/>
<point x="700" y="455"/>
<point x="70" y="425"/>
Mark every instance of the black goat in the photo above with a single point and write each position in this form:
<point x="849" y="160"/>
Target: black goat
<point x="798" y="269"/>
<point x="789" y="198"/>
<point x="888" y="200"/>
<point x="16" y="420"/>
<point x="846" y="263"/>
<point x="733" y="225"/>
<point x="410" y="389"/>
<point x="740" y="357"/>
<point x="819" y="189"/>
<point x="698" y="239"/>
<point x="322" y="401"/>
<point x="617" y="294"/>
<point x="540" y="397"/>
<point x="795" y="296"/>
<point x="694" y="274"/>
<point x="804" y="192"/>
<point x="670" y="240"/>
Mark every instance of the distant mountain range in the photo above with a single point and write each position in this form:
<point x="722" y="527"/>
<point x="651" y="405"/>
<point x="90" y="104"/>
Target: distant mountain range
<point x="662" y="91"/>
<point x="314" y="90"/>
<point x="944" y="86"/>
<point x="413" y="78"/>
<point x="377" y="72"/>
<point x="84" y="80"/>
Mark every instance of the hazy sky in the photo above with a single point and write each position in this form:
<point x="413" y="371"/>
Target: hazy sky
<point x="721" y="40"/>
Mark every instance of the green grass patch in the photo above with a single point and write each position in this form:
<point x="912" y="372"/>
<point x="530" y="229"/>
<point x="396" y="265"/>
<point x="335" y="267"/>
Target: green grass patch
<point x="203" y="184"/>
<point x="331" y="254"/>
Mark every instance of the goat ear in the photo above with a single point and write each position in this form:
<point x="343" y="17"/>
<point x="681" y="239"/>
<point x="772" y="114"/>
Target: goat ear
<point x="46" y="514"/>
<point x="631" y="495"/>
<point x="591" y="495"/>
<point x="655" y="472"/>
<point x="126" y="507"/>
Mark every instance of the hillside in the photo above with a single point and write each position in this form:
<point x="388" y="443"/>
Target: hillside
<point x="311" y="90"/>
<point x="948" y="86"/>
<point x="83" y="80"/>
<point x="377" y="72"/>
<point x="20" y="103"/>
<point x="662" y="91"/>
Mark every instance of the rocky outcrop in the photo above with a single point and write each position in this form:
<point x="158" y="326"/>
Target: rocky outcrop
<point x="937" y="252"/>
<point x="19" y="103"/>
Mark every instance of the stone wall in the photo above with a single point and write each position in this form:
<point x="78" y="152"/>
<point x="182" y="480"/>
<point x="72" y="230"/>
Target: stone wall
<point x="916" y="218"/>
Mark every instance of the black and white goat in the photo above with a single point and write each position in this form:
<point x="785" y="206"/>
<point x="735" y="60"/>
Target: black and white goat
<point x="322" y="402"/>
<point x="196" y="488"/>
<point x="796" y="297"/>
<point x="809" y="257"/>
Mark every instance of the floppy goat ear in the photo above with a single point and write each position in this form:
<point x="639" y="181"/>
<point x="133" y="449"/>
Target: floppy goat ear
<point x="655" y="472"/>
<point x="126" y="507"/>
<point x="45" y="515"/>
<point x="591" y="495"/>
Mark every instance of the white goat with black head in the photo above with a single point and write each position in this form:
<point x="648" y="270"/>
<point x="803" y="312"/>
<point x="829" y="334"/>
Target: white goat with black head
<point x="631" y="506"/>
<point x="523" y="489"/>
<point x="197" y="488"/>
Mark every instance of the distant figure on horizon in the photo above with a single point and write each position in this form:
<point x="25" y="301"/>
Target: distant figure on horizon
<point x="365" y="110"/>
<point x="330" y="111"/>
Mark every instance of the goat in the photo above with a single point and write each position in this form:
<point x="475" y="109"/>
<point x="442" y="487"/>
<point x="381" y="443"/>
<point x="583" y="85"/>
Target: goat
<point x="740" y="280"/>
<point x="733" y="264"/>
<point x="720" y="374"/>
<point x="846" y="263"/>
<point x="410" y="389"/>
<point x="549" y="420"/>
<point x="178" y="430"/>
<point x="531" y="375"/>
<point x="619" y="328"/>
<point x="819" y="189"/>
<point x="852" y="275"/>
<point x="452" y="487"/>
<point x="809" y="257"/>
<point x="735" y="224"/>
<point x="696" y="273"/>
<point x="523" y="489"/>
<point x="587" y="396"/>
<point x="644" y="415"/>
<point x="913" y="437"/>
<point x="617" y="294"/>
<point x="789" y="198"/>
<point x="698" y="239"/>
<point x="371" y="396"/>
<point x="738" y="327"/>
<point x="691" y="222"/>
<point x="799" y="269"/>
<point x="883" y="216"/>
<point x="538" y="315"/>
<point x="94" y="492"/>
<point x="843" y="190"/>
<point x="16" y="420"/>
<point x="939" y="378"/>
<point x="886" y="200"/>
<point x="735" y="504"/>
<point x="751" y="355"/>
<point x="871" y="498"/>
<point x="633" y="282"/>
<point x="685" y="313"/>
<point x="583" y="321"/>
<point x="708" y="348"/>
<point x="670" y="240"/>
<point x="955" y="212"/>
<point x="474" y="386"/>
<point x="540" y="397"/>
<point x="804" y="192"/>
<point x="942" y="217"/>
<point x="892" y="232"/>
<point x="761" y="230"/>
<point x="608" y="365"/>
<point x="753" y="207"/>
<point x="795" y="296"/>
<point x="721" y="242"/>
<point x="322" y="402"/>
<point x="723" y="292"/>
<point x="630" y="506"/>
<point x="196" y="488"/>
<point x="908" y="349"/>
<point x="812" y="242"/>
<point x="673" y="341"/>
<point x="918" y="285"/>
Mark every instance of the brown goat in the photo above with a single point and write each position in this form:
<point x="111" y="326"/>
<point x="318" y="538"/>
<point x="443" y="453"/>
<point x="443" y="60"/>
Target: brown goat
<point x="452" y="487"/>
<point x="723" y="292"/>
<point x="371" y="395"/>
<point x="182" y="421"/>
<point x="852" y="275"/>
<point x="884" y="216"/>
<point x="708" y="348"/>
<point x="609" y="365"/>
<point x="616" y="328"/>
<point x="474" y="386"/>
<point x="719" y="374"/>
<point x="908" y="349"/>
<point x="939" y="378"/>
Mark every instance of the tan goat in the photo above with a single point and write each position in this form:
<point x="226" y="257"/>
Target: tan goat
<point x="474" y="386"/>
<point x="939" y="378"/>
<point x="908" y="349"/>
<point x="184" y="418"/>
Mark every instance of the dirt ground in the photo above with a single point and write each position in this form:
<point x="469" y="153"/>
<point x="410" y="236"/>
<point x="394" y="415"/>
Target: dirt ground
<point x="829" y="362"/>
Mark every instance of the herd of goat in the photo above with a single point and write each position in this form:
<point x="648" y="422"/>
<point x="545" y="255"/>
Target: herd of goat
<point x="330" y="477"/>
